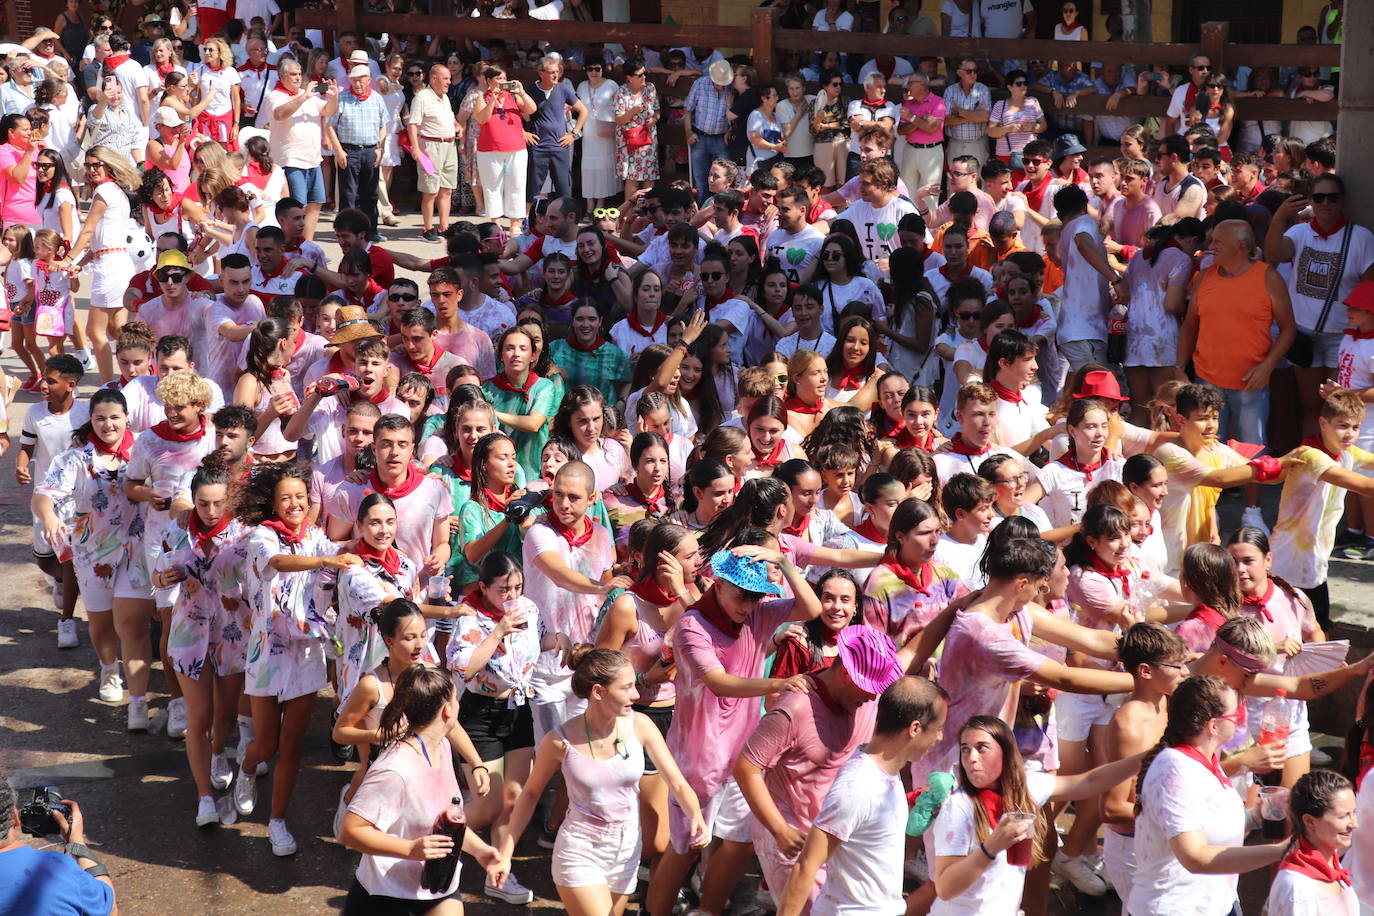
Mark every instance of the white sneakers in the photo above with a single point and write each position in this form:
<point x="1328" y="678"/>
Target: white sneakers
<point x="510" y="892"/>
<point x="111" y="685"/>
<point x="228" y="814"/>
<point x="1254" y="518"/>
<point x="176" y="718"/>
<point x="283" y="843"/>
<point x="138" y="714"/>
<point x="245" y="793"/>
<point x="66" y="633"/>
<point x="206" y="812"/>
<point x="221" y="771"/>
<point x="1079" y="872"/>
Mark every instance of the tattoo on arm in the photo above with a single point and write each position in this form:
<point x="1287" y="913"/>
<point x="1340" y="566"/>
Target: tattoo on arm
<point x="1319" y="685"/>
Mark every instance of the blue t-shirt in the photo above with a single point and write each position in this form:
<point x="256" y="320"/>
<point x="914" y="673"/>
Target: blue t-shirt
<point x="549" y="120"/>
<point x="46" y="883"/>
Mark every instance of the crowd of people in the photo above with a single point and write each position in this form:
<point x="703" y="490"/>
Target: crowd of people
<point x="847" y="508"/>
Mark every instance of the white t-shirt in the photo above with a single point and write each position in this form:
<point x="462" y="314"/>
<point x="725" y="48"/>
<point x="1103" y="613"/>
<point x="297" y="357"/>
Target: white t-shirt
<point x="145" y="410"/>
<point x="112" y="230"/>
<point x="1003" y="18"/>
<point x="843" y="22"/>
<point x="866" y="811"/>
<point x="1314" y="259"/>
<point x="225" y="79"/>
<point x="963" y="558"/>
<point x="1360" y="857"/>
<point x="1355" y="370"/>
<point x="1066" y="488"/>
<point x="835" y="297"/>
<point x="997" y="891"/>
<point x="1294" y="894"/>
<point x="50" y="434"/>
<point x="1180" y="794"/>
<point x="1018" y="422"/>
<point x="245" y="10"/>
<point x="796" y="253"/>
<point x="1084" y="297"/>
<point x="791" y="344"/>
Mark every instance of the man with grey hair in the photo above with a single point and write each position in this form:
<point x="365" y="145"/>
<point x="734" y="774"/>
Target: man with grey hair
<point x="921" y="121"/>
<point x="43" y="881"/>
<point x="968" y="105"/>
<point x="16" y="97"/>
<point x="550" y="138"/>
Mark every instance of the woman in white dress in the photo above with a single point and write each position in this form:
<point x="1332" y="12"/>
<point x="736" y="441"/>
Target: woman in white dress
<point x="104" y="244"/>
<point x="598" y="142"/>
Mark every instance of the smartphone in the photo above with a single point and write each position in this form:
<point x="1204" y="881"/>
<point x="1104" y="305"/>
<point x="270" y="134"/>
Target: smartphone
<point x="322" y="87"/>
<point x="508" y="86"/>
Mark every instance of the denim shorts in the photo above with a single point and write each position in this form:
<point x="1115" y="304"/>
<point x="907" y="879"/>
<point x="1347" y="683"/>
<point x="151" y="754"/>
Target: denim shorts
<point x="305" y="185"/>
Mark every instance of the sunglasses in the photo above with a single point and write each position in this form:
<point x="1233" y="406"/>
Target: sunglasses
<point x="1017" y="83"/>
<point x="415" y="73"/>
<point x="596" y="67"/>
<point x="832" y="255"/>
<point x="712" y="274"/>
<point x="836" y="84"/>
<point x="1204" y="68"/>
<point x="781" y="378"/>
<point x="1307" y="73"/>
<point x="401" y="297"/>
<point x="606" y="213"/>
<point x="44" y="166"/>
<point x="1031" y="160"/>
<point x="968" y="70"/>
<point x="176" y="276"/>
<point x="970" y="316"/>
<point x="635" y="75"/>
<point x="1332" y="198"/>
<point x="93" y="165"/>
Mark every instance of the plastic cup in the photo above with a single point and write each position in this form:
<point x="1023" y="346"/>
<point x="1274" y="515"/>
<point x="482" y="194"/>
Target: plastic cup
<point x="294" y="401"/>
<point x="1273" y="802"/>
<point x="1020" y="852"/>
<point x="437" y="589"/>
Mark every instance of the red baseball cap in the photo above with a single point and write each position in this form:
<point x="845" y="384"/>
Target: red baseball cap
<point x="1101" y="383"/>
<point x="1362" y="296"/>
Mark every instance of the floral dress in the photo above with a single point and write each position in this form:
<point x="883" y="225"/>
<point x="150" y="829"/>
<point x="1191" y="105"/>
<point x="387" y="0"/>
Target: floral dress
<point x="212" y="625"/>
<point x="511" y="666"/>
<point x="106" y="528"/>
<point x="467" y="151"/>
<point x="286" y="646"/>
<point x="1151" y="332"/>
<point x="639" y="164"/>
<point x="356" y="637"/>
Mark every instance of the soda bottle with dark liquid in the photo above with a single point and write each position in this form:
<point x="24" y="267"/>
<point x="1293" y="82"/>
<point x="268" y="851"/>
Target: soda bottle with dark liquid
<point x="438" y="873"/>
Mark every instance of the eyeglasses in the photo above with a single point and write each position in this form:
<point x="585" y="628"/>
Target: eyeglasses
<point x="1332" y="198"/>
<point x="401" y="297"/>
<point x="175" y="276"/>
<point x="970" y="316"/>
<point x="968" y="70"/>
<point x="1018" y="480"/>
<point x="954" y="174"/>
<point x="712" y="274"/>
<point x="1233" y="717"/>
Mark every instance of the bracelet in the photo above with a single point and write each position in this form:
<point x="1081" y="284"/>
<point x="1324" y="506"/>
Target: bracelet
<point x="639" y="679"/>
<point x="991" y="857"/>
<point x="480" y="766"/>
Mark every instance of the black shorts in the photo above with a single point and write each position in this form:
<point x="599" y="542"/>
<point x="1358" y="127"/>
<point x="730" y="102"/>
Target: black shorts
<point x="662" y="717"/>
<point x="494" y="728"/>
<point x="361" y="903"/>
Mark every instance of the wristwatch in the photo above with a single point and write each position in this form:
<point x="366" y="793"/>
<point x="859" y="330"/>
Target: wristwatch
<point x="577" y="134"/>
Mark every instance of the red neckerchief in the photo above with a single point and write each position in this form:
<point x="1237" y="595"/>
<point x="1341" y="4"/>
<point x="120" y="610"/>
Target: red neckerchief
<point x="1209" y="615"/>
<point x="1113" y="572"/>
<point x="164" y="431"/>
<point x="496" y="502"/>
<point x="711" y="611"/>
<point x="903" y="437"/>
<point x="286" y="92"/>
<point x="850" y="379"/>
<point x="294" y="538"/>
<point x="1359" y="335"/>
<point x="649" y="590"/>
<point x="1261" y="602"/>
<point x="959" y="447"/>
<point x="1035" y="197"/>
<point x="1034" y="317"/>
<point x="597" y="341"/>
<point x="1317" y="230"/>
<point x="1317" y="443"/>
<point x="993" y="805"/>
<point x="944" y="272"/>
<point x="361" y="98"/>
<point x="567" y="296"/>
<point x="115" y="60"/>
<point x="502" y="381"/>
<point x="919" y="579"/>
<point x="574" y="539"/>
<point x="202" y="536"/>
<point x="711" y="303"/>
<point x="656" y="503"/>
<point x="164" y="69"/>
<point x="336" y="365"/>
<point x="249" y="68"/>
<point x="1190" y="96"/>
<point x="797" y="405"/>
<point x="122" y="451"/>
<point x="1305" y="860"/>
<point x="1211" y="763"/>
<point x="389" y="559"/>
<point x="161" y="216"/>
<point x="1070" y="460"/>
<point x="379" y="397"/>
<point x="825" y="696"/>
<point x="414" y="477"/>
<point x="299" y="342"/>
<point x="1003" y="392"/>
<point x="427" y="368"/>
<point x="479" y="603"/>
<point x="632" y="320"/>
<point x="460" y="467"/>
<point x="866" y="529"/>
<point x="366" y="299"/>
<point x="798" y="529"/>
<point x="773" y="459"/>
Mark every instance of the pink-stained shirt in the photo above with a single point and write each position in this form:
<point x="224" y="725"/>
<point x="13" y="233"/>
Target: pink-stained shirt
<point x="310" y="348"/>
<point x="561" y="610"/>
<point x="800" y="745"/>
<point x="709" y="731"/>
<point x="981" y="666"/>
<point x="416" y="513"/>
<point x="900" y="611"/>
<point x="1129" y="223"/>
<point x="156" y="461"/>
<point x="473" y="347"/>
<point x="145" y="410"/>
<point x="217" y="357"/>
<point x="185" y="319"/>
<point x="327" y="424"/>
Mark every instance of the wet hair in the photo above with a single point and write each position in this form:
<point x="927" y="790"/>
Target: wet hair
<point x="420" y="694"/>
<point x="1149" y="643"/>
<point x="595" y="667"/>
<point x="1011" y="784"/>
<point x="907" y="700"/>
<point x="1012" y="528"/>
<point x="578" y="396"/>
<point x="480" y="453"/>
<point x="267" y="334"/>
<point x="389" y="615"/>
<point x="841" y="425"/>
<point x="910" y="513"/>
<point x="213" y="470"/>
<point x="756" y="505"/>
<point x="874" y="486"/>
<point x="1020" y="557"/>
<point x="1197" y="701"/>
<point x="497" y="565"/>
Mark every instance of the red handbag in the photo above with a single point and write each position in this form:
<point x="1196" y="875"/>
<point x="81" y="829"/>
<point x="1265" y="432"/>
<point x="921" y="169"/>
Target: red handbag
<point x="637" y="136"/>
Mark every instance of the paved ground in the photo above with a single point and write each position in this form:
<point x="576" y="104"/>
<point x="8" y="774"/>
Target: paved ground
<point x="136" y="790"/>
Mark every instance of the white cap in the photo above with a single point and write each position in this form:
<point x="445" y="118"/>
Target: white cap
<point x="360" y="70"/>
<point x="167" y="117"/>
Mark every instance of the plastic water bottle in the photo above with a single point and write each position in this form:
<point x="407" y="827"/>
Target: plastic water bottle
<point x="1275" y="719"/>
<point x="1116" y="334"/>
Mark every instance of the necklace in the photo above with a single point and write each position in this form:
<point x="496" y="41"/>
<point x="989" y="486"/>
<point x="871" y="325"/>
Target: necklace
<point x="617" y="746"/>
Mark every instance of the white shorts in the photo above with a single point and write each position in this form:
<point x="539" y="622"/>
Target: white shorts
<point x="1118" y="858"/>
<point x="110" y="277"/>
<point x="727" y="817"/>
<point x="98" y="592"/>
<point x="588" y="856"/>
<point x="1077" y="713"/>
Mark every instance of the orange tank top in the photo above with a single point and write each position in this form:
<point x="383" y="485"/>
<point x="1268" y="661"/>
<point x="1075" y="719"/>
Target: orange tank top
<point x="1234" y="315"/>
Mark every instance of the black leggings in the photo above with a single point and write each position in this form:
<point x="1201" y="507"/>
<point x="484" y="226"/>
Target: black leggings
<point x="1321" y="605"/>
<point x="361" y="903"/>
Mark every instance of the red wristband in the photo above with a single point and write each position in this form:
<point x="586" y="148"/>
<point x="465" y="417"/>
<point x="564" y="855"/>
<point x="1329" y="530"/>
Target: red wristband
<point x="1267" y="468"/>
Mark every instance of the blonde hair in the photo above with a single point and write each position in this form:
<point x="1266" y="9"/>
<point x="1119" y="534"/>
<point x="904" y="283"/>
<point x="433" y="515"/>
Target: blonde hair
<point x="226" y="56"/>
<point x="801" y="361"/>
<point x="216" y="171"/>
<point x="183" y="387"/>
<point x="52" y="238"/>
<point x="118" y="167"/>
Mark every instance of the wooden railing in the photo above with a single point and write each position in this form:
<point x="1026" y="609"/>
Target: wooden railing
<point x="763" y="38"/>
